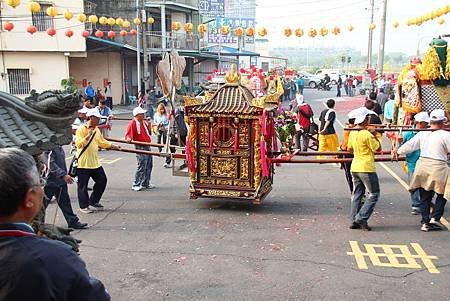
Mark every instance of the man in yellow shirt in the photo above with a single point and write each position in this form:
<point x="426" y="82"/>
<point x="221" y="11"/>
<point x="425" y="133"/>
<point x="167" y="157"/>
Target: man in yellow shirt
<point x="89" y="138"/>
<point x="363" y="143"/>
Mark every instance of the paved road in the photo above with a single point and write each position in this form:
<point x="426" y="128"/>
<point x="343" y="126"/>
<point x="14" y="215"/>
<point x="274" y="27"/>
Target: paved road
<point x="159" y="245"/>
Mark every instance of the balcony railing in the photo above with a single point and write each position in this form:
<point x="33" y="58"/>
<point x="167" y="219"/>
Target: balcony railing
<point x="180" y="40"/>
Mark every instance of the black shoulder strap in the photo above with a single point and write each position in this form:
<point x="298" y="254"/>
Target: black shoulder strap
<point x="87" y="145"/>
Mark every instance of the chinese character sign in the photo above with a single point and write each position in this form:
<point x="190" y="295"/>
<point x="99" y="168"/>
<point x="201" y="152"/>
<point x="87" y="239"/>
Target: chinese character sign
<point x="212" y="8"/>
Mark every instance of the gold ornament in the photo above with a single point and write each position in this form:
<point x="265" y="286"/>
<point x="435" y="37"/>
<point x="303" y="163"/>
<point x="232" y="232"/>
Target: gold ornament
<point x="137" y="21"/>
<point x="431" y="65"/>
<point x="150" y="20"/>
<point x="239" y="31"/>
<point x="350" y="28"/>
<point x="336" y="30"/>
<point x="52" y="11"/>
<point x="323" y="31"/>
<point x="201" y="28"/>
<point x="250" y="31"/>
<point x="395" y="24"/>
<point x="34" y="7"/>
<point x="225" y="30"/>
<point x="312" y="32"/>
<point x="176" y="26"/>
<point x="441" y="21"/>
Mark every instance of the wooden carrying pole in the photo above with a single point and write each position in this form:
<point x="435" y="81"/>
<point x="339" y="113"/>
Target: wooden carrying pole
<point x="381" y="129"/>
<point x="144" y="152"/>
<point x="142" y="143"/>
<point x="344" y="160"/>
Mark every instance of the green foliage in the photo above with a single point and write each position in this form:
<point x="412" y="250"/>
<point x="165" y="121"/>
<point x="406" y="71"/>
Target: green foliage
<point x="69" y="84"/>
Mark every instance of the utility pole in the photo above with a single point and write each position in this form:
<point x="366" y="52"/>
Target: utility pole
<point x="138" y="48"/>
<point x="380" y="62"/>
<point x="369" y="50"/>
<point x="145" y="27"/>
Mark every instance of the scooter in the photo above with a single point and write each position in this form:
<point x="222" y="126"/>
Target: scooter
<point x="323" y="86"/>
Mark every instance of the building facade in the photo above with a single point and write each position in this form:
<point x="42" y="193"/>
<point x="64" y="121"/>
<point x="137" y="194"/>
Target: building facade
<point x="38" y="61"/>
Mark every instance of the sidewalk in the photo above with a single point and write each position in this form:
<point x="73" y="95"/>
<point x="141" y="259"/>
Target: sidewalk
<point x="123" y="109"/>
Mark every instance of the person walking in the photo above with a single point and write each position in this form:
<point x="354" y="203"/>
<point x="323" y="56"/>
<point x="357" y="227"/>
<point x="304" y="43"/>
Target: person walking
<point x="161" y="125"/>
<point x="350" y="85"/>
<point x="89" y="92"/>
<point x="105" y="123"/>
<point x="339" y="86"/>
<point x="287" y="89"/>
<point x="346" y="85"/>
<point x="138" y="130"/>
<point x="108" y="95"/>
<point x="421" y="121"/>
<point x="88" y="139"/>
<point x="304" y="115"/>
<point x="431" y="174"/>
<point x="293" y="88"/>
<point x="56" y="186"/>
<point x="382" y="99"/>
<point x="346" y="166"/>
<point x="34" y="268"/>
<point x="363" y="143"/>
<point x="388" y="111"/>
<point x="328" y="139"/>
<point x="300" y="84"/>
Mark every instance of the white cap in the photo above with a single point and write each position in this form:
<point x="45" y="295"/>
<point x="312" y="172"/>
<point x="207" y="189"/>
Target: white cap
<point x="422" y="117"/>
<point x="138" y="110"/>
<point x="94" y="112"/>
<point x="83" y="110"/>
<point x="360" y="114"/>
<point x="438" y="115"/>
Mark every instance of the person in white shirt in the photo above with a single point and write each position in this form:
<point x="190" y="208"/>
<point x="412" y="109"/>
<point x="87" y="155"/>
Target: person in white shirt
<point x="431" y="175"/>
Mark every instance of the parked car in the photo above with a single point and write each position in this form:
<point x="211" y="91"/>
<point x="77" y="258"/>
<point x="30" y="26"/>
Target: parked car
<point x="311" y="80"/>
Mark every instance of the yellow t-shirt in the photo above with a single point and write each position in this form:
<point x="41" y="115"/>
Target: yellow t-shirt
<point x="363" y="145"/>
<point x="89" y="159"/>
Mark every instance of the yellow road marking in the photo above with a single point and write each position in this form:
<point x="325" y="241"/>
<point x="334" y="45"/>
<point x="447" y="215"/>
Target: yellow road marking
<point x="392" y="257"/>
<point x="400" y="180"/>
<point x="107" y="161"/>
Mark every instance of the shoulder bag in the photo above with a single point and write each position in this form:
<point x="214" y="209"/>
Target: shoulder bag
<point x="74" y="164"/>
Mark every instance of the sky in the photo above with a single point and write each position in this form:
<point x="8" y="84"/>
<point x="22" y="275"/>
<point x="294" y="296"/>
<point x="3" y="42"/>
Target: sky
<point x="275" y="15"/>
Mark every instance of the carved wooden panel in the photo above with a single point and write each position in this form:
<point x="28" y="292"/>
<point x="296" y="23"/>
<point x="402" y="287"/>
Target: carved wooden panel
<point x="224" y="167"/>
<point x="244" y="169"/>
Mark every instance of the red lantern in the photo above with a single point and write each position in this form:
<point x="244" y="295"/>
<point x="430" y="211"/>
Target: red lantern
<point x="209" y="77"/>
<point x="133" y="32"/>
<point x="111" y="34"/>
<point x="31" y="29"/>
<point x="99" y="34"/>
<point x="51" y="31"/>
<point x="215" y="71"/>
<point x="123" y="33"/>
<point x="85" y="34"/>
<point x="8" y="26"/>
<point x="242" y="70"/>
<point x="69" y="33"/>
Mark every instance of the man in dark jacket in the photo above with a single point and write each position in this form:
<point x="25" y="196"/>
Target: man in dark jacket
<point x="56" y="186"/>
<point x="33" y="267"/>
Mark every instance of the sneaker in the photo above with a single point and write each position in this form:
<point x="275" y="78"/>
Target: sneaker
<point x="425" y="227"/>
<point x="137" y="188"/>
<point x="149" y="186"/>
<point x="415" y="211"/>
<point x="355" y="225"/>
<point x="364" y="226"/>
<point x="87" y="210"/>
<point x="79" y="226"/>
<point x="166" y="165"/>
<point x="437" y="223"/>
<point x="98" y="206"/>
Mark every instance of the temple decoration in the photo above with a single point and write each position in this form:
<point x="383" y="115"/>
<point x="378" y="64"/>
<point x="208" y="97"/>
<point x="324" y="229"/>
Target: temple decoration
<point x="230" y="135"/>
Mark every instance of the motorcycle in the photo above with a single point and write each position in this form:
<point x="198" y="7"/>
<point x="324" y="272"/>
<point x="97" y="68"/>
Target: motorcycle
<point x="323" y="86"/>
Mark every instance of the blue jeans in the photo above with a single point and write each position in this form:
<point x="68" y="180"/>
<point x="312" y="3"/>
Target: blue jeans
<point x="415" y="195"/>
<point x="363" y="181"/>
<point x="425" y="204"/>
<point x="144" y="168"/>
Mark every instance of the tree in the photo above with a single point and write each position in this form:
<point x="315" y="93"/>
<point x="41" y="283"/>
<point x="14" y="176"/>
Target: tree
<point x="69" y="84"/>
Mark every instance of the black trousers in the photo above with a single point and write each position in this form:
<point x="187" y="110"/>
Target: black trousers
<point x="62" y="197"/>
<point x="99" y="177"/>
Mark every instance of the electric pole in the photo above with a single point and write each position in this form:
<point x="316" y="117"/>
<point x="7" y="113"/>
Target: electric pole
<point x="369" y="50"/>
<point x="138" y="48"/>
<point x="145" y="27"/>
<point x="380" y="62"/>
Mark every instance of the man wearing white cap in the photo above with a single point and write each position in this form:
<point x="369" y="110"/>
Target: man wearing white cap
<point x="363" y="144"/>
<point x="421" y="121"/>
<point x="431" y="175"/>
<point x="88" y="139"/>
<point x="139" y="130"/>
<point x="81" y="119"/>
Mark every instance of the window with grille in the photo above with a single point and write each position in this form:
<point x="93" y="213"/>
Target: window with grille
<point x="19" y="81"/>
<point x="41" y="20"/>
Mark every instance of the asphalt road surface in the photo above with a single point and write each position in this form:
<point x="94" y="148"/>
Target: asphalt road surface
<point x="159" y="245"/>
